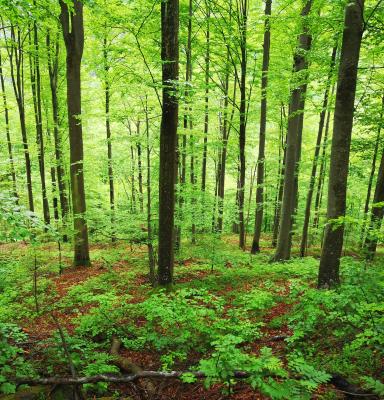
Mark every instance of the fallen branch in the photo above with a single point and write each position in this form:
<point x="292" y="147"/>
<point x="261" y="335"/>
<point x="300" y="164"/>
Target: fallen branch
<point x="351" y="391"/>
<point x="117" y="378"/>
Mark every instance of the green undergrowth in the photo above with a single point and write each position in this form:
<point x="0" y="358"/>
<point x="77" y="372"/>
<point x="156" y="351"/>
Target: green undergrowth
<point x="211" y="321"/>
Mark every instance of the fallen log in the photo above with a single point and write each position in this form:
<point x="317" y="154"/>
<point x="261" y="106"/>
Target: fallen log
<point x="349" y="390"/>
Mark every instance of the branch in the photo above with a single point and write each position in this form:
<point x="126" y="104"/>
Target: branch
<point x="62" y="380"/>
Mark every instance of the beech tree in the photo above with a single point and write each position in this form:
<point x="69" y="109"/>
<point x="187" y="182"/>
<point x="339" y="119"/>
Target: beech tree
<point x="73" y="31"/>
<point x="342" y="129"/>
<point x="168" y="138"/>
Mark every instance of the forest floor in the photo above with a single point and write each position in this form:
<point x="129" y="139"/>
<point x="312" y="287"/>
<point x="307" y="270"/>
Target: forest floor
<point x="216" y="285"/>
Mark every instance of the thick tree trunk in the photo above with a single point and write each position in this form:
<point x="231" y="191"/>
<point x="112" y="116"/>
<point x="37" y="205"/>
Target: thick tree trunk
<point x="8" y="134"/>
<point x="168" y="138"/>
<point x="107" y="93"/>
<point x="293" y="150"/>
<point x="342" y="129"/>
<point x="243" y="118"/>
<point x="312" y="180"/>
<point x="34" y="65"/>
<point x="377" y="214"/>
<point x="73" y="30"/>
<point x="263" y="127"/>
<point x="53" y="65"/>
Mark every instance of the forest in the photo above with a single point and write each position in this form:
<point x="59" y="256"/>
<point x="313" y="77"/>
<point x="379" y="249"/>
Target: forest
<point x="191" y="199"/>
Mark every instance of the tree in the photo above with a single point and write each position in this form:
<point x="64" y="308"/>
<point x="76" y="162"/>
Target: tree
<point x="377" y="214"/>
<point x="342" y="130"/>
<point x="168" y="138"/>
<point x="294" y="133"/>
<point x="263" y="127"/>
<point x="53" y="71"/>
<point x="73" y="31"/>
<point x="312" y="181"/>
<point x="34" y="67"/>
<point x="14" y="46"/>
<point x="8" y="134"/>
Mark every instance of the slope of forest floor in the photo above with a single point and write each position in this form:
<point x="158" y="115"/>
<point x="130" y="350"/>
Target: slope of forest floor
<point x="228" y="311"/>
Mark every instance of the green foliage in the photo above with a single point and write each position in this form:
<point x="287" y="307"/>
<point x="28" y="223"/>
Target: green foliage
<point x="12" y="361"/>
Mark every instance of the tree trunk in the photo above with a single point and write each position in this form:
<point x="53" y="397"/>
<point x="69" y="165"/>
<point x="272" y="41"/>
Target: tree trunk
<point x="151" y="253"/>
<point x="263" y="126"/>
<point x="168" y="138"/>
<point x="34" y="65"/>
<point x="109" y="139"/>
<point x="293" y="150"/>
<point x="376" y="214"/>
<point x="73" y="30"/>
<point x="16" y="60"/>
<point x="372" y="174"/>
<point x="8" y="134"/>
<point x="320" y="184"/>
<point x="312" y="180"/>
<point x="53" y="65"/>
<point x="342" y="129"/>
<point x="243" y="118"/>
<point x="280" y="181"/>
<point x="139" y="167"/>
<point x="206" y="107"/>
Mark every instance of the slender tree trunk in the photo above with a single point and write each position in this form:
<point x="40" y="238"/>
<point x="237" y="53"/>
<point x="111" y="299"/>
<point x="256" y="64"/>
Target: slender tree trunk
<point x="73" y="30"/>
<point x="342" y="129"/>
<point x="53" y="68"/>
<point x="151" y="253"/>
<point x="372" y="174"/>
<point x="377" y="214"/>
<point x="8" y="134"/>
<point x="206" y="107"/>
<point x="243" y="118"/>
<point x="107" y="92"/>
<point x="34" y="64"/>
<point x="139" y="167"/>
<point x="320" y="183"/>
<point x="307" y="213"/>
<point x="295" y="125"/>
<point x="133" y="171"/>
<point x="263" y="127"/>
<point x="280" y="181"/>
<point x="16" y="60"/>
<point x="168" y="138"/>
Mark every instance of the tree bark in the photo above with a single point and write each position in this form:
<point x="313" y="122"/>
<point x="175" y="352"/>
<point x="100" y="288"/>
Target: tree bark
<point x="293" y="150"/>
<point x="206" y="106"/>
<point x="243" y="117"/>
<point x="168" y="138"/>
<point x="107" y="93"/>
<point x="34" y="65"/>
<point x="320" y="184"/>
<point x="139" y="167"/>
<point x="312" y="180"/>
<point x="342" y="130"/>
<point x="372" y="174"/>
<point x="53" y="69"/>
<point x="376" y="214"/>
<point x="73" y="30"/>
<point x="263" y="127"/>
<point x="16" y="61"/>
<point x="280" y="181"/>
<point x="8" y="134"/>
